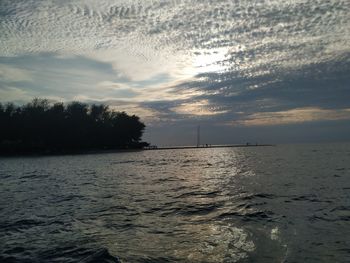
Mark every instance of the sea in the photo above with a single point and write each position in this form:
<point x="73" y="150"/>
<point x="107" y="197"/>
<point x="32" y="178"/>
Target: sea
<point x="284" y="203"/>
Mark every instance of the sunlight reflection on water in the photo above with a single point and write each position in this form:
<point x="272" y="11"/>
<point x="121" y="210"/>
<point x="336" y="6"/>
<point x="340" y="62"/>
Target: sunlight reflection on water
<point x="208" y="205"/>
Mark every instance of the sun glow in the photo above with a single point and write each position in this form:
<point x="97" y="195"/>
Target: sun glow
<point x="205" y="61"/>
<point x="209" y="60"/>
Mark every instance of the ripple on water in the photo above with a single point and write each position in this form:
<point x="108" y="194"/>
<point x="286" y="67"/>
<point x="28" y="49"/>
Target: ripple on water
<point x="214" y="205"/>
<point x="79" y="254"/>
<point x="34" y="175"/>
<point x="220" y="243"/>
<point x="21" y="224"/>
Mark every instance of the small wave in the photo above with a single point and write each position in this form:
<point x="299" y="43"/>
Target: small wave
<point x="199" y="193"/>
<point x="309" y="198"/>
<point x="123" y="162"/>
<point x="100" y="256"/>
<point x="190" y="210"/>
<point x="179" y="188"/>
<point x="250" y="216"/>
<point x="259" y="195"/>
<point x="168" y="179"/>
<point x="198" y="209"/>
<point x="340" y="169"/>
<point x="86" y="172"/>
<point x="77" y="254"/>
<point x="341" y="208"/>
<point x="25" y="224"/>
<point x="34" y="175"/>
<point x="111" y="210"/>
<point x="145" y="259"/>
<point x="21" y="224"/>
<point x="328" y="219"/>
<point x="340" y="213"/>
<point x="153" y="210"/>
<point x="4" y="176"/>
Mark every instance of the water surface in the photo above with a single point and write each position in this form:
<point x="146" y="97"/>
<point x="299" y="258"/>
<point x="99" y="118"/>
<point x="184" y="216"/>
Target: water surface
<point x="289" y="203"/>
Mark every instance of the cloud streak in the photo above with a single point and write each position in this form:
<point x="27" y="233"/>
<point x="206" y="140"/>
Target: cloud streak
<point x="299" y="115"/>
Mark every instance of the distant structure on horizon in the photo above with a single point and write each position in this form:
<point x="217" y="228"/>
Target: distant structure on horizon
<point x="198" y="135"/>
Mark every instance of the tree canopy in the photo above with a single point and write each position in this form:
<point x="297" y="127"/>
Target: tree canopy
<point x="41" y="126"/>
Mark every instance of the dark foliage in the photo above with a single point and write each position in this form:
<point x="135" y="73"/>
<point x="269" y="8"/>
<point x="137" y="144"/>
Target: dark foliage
<point x="43" y="127"/>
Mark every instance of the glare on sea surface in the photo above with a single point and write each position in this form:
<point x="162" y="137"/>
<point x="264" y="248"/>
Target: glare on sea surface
<point x="218" y="243"/>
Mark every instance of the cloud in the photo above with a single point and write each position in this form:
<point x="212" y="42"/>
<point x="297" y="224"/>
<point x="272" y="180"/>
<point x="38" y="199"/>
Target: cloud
<point x="216" y="61"/>
<point x="53" y="76"/>
<point x="299" y="115"/>
<point x="162" y="36"/>
<point x="197" y="108"/>
<point x="10" y="73"/>
<point x="13" y="94"/>
<point x="322" y="85"/>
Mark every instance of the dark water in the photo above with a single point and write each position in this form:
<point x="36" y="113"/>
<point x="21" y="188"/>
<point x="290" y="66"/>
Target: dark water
<point x="265" y="204"/>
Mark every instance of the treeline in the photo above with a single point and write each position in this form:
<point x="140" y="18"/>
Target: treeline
<point x="41" y="126"/>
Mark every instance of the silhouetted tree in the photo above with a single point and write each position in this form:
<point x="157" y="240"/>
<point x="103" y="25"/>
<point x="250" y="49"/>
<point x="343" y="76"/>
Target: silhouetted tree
<point x="41" y="126"/>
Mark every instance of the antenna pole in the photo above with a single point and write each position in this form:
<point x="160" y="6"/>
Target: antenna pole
<point x="198" y="135"/>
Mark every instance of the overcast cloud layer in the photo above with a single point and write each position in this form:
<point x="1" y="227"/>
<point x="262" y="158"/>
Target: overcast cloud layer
<point x="264" y="70"/>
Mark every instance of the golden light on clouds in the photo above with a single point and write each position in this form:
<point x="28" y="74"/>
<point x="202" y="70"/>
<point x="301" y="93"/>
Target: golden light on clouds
<point x="298" y="115"/>
<point x="198" y="108"/>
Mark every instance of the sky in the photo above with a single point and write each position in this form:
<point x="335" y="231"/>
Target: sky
<point x="265" y="71"/>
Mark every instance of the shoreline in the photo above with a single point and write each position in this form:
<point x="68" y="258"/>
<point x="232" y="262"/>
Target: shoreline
<point x="102" y="151"/>
<point x="63" y="153"/>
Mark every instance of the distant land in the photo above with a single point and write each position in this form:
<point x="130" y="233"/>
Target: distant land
<point x="41" y="127"/>
<point x="205" y="146"/>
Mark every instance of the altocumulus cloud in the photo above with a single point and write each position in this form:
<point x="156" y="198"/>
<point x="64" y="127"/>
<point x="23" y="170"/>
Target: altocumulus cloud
<point x="229" y="65"/>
